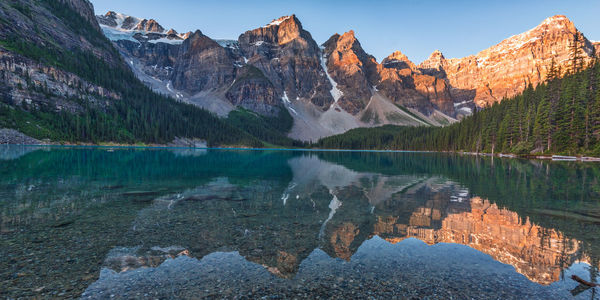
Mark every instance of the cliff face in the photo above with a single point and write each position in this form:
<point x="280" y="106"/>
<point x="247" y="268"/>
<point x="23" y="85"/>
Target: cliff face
<point x="354" y="71"/>
<point x="202" y="64"/>
<point x="252" y="90"/>
<point x="506" y="69"/>
<point x="358" y="75"/>
<point x="33" y="84"/>
<point x="402" y="82"/>
<point x="290" y="58"/>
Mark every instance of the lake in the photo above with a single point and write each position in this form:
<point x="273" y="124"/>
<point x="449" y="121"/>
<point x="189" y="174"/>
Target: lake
<point x="103" y="223"/>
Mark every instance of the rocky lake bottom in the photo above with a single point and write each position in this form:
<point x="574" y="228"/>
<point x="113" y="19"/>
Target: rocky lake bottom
<point x="101" y="223"/>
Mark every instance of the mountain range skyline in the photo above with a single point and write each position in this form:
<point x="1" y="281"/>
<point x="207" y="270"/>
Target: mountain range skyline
<point x="379" y="29"/>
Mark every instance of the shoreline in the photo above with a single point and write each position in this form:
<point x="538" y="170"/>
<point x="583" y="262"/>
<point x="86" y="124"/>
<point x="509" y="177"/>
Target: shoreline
<point x="580" y="158"/>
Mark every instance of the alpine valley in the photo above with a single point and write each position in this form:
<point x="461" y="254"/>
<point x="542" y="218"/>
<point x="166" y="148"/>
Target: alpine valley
<point x="336" y="86"/>
<point x="140" y="161"/>
<point x="273" y="85"/>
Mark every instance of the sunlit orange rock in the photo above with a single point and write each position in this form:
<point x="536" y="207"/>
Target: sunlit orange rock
<point x="536" y="252"/>
<point x="342" y="238"/>
<point x="505" y="70"/>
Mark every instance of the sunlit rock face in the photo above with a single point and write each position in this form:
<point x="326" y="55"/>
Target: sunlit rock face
<point x="506" y="69"/>
<point x="403" y="83"/>
<point x="338" y="86"/>
<point x="352" y="69"/>
<point x="536" y="252"/>
<point x="358" y="76"/>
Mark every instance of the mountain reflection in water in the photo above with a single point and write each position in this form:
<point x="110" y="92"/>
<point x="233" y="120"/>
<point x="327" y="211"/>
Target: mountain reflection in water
<point x="252" y="223"/>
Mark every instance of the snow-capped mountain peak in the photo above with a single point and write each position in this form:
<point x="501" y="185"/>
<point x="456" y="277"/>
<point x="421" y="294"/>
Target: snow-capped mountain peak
<point x="118" y="26"/>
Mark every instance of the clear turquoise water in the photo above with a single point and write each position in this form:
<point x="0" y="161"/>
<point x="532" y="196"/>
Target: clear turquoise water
<point x="176" y="223"/>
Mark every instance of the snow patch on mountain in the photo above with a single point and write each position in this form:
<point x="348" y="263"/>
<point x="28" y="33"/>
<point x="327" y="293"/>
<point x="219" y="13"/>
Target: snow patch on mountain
<point x="277" y="22"/>
<point x="287" y="103"/>
<point x="118" y="32"/>
<point x="114" y="34"/>
<point x="231" y="44"/>
<point x="335" y="92"/>
<point x="166" y="41"/>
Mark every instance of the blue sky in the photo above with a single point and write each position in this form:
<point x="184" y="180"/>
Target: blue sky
<point x="417" y="28"/>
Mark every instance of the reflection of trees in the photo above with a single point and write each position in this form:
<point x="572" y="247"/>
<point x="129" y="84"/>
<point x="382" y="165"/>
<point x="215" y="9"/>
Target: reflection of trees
<point x="391" y="195"/>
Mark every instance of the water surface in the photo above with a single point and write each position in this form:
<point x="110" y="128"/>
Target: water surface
<point x="102" y="223"/>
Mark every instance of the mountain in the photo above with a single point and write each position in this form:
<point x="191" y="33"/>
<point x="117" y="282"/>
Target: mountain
<point x="278" y="69"/>
<point x="506" y="69"/>
<point x="561" y="116"/>
<point x="63" y="80"/>
<point x="329" y="89"/>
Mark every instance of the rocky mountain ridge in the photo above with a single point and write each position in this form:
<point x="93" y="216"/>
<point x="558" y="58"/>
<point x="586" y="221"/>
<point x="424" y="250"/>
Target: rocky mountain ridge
<point x="504" y="70"/>
<point x="337" y="86"/>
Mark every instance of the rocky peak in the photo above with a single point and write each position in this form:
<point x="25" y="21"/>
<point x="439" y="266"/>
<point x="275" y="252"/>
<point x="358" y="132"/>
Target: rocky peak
<point x="277" y="22"/>
<point x="507" y="68"/>
<point x="279" y="32"/>
<point x="129" y="22"/>
<point x="354" y="71"/>
<point x="434" y="60"/>
<point x="124" y="22"/>
<point x="109" y="19"/>
<point x="149" y="26"/>
<point x="434" y="64"/>
<point x="289" y="57"/>
<point x="552" y="32"/>
<point x="346" y="42"/>
<point x="346" y="50"/>
<point x="558" y="22"/>
<point x="202" y="65"/>
<point x="197" y="41"/>
<point x="398" y="60"/>
<point x="120" y="27"/>
<point x="290" y="29"/>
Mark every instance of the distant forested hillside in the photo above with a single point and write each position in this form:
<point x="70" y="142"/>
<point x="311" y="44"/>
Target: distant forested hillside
<point x="561" y="116"/>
